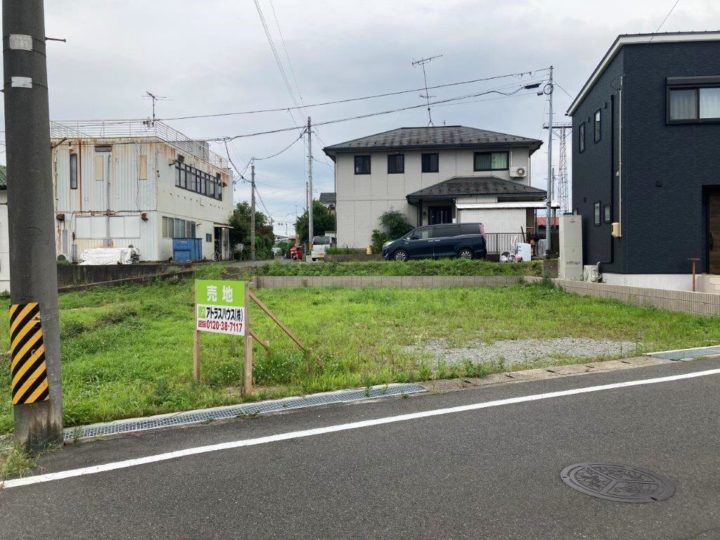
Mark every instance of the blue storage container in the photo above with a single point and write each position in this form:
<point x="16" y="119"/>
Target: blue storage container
<point x="187" y="249"/>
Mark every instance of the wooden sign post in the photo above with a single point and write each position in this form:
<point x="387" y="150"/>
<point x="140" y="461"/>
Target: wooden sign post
<point x="223" y="307"/>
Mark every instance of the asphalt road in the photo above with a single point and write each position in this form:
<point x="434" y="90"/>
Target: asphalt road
<point x="487" y="473"/>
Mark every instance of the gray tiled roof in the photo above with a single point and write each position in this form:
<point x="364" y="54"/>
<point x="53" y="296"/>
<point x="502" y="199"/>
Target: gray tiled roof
<point x="433" y="137"/>
<point x="3" y="177"/>
<point x="468" y="186"/>
<point x="328" y="197"/>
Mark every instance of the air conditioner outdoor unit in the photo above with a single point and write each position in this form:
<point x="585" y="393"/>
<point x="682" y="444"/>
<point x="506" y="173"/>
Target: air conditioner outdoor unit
<point x="518" y="172"/>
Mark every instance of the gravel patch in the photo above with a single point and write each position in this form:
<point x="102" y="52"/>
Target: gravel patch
<point x="522" y="351"/>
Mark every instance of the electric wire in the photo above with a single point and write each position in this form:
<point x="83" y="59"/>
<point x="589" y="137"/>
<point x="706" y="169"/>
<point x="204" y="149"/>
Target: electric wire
<point x="367" y="115"/>
<point x="666" y="18"/>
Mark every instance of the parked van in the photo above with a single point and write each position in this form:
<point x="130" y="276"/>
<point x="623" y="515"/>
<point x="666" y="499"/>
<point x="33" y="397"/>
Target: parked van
<point x="465" y="240"/>
<point x="319" y="246"/>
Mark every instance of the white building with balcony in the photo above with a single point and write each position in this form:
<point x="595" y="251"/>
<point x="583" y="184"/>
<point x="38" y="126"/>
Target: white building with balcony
<point x="441" y="174"/>
<point x="142" y="184"/>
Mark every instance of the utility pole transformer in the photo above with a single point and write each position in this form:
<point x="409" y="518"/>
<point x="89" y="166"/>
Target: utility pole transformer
<point x="252" y="211"/>
<point x="37" y="392"/>
<point x="310" y="187"/>
<point x="548" y="206"/>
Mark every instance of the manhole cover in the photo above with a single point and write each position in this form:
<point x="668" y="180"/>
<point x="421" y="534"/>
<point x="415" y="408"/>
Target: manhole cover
<point x="617" y="482"/>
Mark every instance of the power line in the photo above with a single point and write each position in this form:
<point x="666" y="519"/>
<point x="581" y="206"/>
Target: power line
<point x="666" y="18"/>
<point x="287" y="55"/>
<point x="288" y="147"/>
<point x="519" y="74"/>
<point x="280" y="66"/>
<point x="369" y="115"/>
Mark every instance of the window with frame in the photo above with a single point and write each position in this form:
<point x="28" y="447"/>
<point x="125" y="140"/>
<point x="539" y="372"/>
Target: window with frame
<point x="197" y="181"/>
<point x="491" y="161"/>
<point x="73" y="171"/>
<point x="608" y="214"/>
<point x="597" y="126"/>
<point x="596" y="214"/>
<point x="693" y="99"/>
<point x="581" y="138"/>
<point x="362" y="164"/>
<point x="430" y="163"/>
<point x="396" y="163"/>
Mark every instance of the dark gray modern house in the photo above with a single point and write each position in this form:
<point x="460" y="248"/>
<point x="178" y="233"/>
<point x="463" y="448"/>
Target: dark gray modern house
<point x="646" y="159"/>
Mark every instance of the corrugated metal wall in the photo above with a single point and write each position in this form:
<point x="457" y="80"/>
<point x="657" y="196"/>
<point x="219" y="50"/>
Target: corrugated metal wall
<point x="127" y="177"/>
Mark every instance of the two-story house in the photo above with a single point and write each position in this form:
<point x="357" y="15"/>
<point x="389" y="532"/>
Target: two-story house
<point x="142" y="184"/>
<point x="646" y="159"/>
<point x="441" y="174"/>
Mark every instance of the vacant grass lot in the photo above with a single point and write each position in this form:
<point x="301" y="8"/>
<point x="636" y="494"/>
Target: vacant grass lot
<point x="127" y="350"/>
<point x="423" y="267"/>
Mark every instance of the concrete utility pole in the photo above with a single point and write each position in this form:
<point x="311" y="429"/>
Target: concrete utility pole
<point x="252" y="211"/>
<point x="310" y="186"/>
<point x="33" y="270"/>
<point x="548" y="217"/>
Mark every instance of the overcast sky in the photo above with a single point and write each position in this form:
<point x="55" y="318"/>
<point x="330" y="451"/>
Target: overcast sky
<point x="214" y="57"/>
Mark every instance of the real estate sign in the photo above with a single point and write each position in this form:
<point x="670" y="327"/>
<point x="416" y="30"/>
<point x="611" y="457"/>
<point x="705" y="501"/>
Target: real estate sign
<point x="220" y="306"/>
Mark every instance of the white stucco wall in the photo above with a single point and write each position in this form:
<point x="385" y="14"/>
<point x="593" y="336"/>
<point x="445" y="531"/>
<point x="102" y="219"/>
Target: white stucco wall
<point x="363" y="198"/>
<point x="504" y="220"/>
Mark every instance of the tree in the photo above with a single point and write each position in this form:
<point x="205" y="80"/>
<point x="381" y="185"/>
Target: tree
<point x="394" y="225"/>
<point x="240" y="231"/>
<point x="323" y="221"/>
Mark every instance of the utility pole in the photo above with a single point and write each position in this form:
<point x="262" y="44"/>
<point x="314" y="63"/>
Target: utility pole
<point x="548" y="216"/>
<point x="37" y="392"/>
<point x="252" y="211"/>
<point x="310" y="186"/>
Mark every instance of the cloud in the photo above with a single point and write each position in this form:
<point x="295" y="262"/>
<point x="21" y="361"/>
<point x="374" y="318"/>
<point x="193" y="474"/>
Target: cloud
<point x="213" y="56"/>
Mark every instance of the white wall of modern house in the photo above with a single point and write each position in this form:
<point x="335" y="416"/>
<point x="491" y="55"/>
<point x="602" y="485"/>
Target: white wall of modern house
<point x="121" y="188"/>
<point x="363" y="198"/>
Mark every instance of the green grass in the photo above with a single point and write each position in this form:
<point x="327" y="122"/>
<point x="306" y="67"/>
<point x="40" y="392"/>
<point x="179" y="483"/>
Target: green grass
<point x="126" y="351"/>
<point x="425" y="267"/>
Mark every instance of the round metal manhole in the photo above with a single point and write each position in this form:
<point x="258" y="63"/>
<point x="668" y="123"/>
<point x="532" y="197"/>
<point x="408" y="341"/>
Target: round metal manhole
<point x="617" y="482"/>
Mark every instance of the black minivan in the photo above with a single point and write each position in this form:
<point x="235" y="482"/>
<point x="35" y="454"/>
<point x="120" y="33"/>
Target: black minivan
<point x="466" y="240"/>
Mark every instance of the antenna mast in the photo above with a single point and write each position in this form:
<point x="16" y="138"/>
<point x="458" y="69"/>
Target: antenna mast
<point x="426" y="95"/>
<point x="150" y="95"/>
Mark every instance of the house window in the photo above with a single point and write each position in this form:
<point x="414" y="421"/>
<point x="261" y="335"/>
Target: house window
<point x="597" y="126"/>
<point x="142" y="167"/>
<point x="608" y="214"/>
<point x="693" y="99"/>
<point x="362" y="164"/>
<point x="491" y="161"/>
<point x="596" y="216"/>
<point x="396" y="163"/>
<point x="208" y="238"/>
<point x="430" y="163"/>
<point x="73" y="171"/>
<point x="581" y="138"/>
<point x="167" y="227"/>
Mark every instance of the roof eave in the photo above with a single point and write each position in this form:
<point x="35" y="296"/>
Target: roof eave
<point x="635" y="39"/>
<point x="532" y="144"/>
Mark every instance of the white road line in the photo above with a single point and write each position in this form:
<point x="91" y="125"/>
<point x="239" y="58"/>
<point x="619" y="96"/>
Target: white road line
<point x="42" y="478"/>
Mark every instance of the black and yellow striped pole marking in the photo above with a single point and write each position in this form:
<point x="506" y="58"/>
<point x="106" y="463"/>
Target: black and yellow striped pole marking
<point x="27" y="353"/>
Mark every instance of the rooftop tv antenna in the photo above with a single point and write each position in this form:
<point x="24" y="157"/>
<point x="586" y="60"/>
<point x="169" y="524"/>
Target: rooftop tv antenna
<point x="426" y="95"/>
<point x="150" y="95"/>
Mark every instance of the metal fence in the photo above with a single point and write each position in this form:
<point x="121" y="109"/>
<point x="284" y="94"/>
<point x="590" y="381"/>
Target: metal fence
<point x="498" y="243"/>
<point x="137" y="129"/>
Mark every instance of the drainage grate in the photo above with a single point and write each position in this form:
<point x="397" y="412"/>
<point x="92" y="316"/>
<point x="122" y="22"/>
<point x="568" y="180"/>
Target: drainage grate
<point x="233" y="411"/>
<point x="687" y="354"/>
<point x="618" y="483"/>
